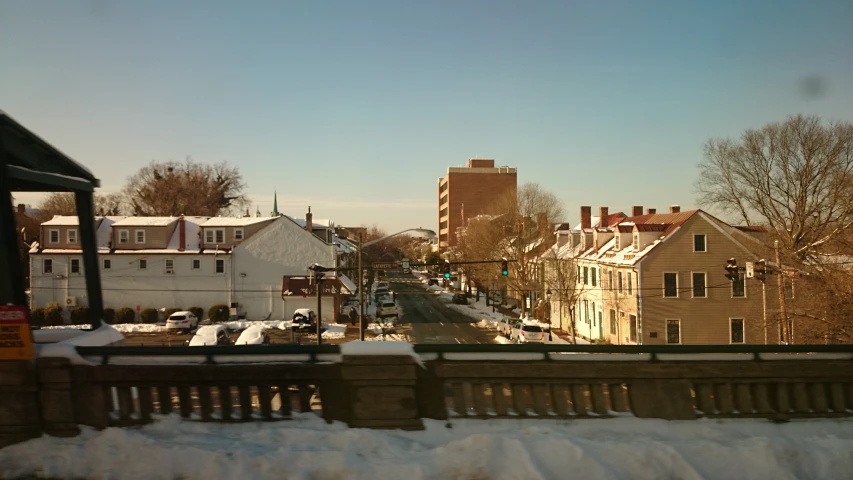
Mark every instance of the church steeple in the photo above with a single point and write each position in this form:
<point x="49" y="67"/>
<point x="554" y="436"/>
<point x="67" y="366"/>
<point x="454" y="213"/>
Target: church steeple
<point x="257" y="211"/>
<point x="274" y="204"/>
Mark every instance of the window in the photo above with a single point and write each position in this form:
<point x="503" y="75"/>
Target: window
<point x="54" y="236"/>
<point x="636" y="244"/>
<point x="619" y="283"/>
<point x="196" y="264"/>
<point x="617" y="242"/>
<point x="442" y="213"/>
<point x="737" y="329"/>
<point x="699" y="243"/>
<point x="123" y="236"/>
<point x="739" y="286"/>
<point x="208" y="236"/>
<point x="220" y="236"/>
<point x="143" y="264"/>
<point x="443" y="200"/>
<point x="670" y="284"/>
<point x="220" y="266"/>
<point x="593" y="277"/>
<point x="586" y="311"/>
<point x="593" y="313"/>
<point x="673" y="331"/>
<point x="586" y="275"/>
<point x="75" y="265"/>
<point x="610" y="280"/>
<point x="139" y="236"/>
<point x="72" y="235"/>
<point x="47" y="265"/>
<point x="600" y="318"/>
<point x="442" y="224"/>
<point x="170" y="265"/>
<point x="632" y="322"/>
<point x="629" y="280"/>
<point x="699" y="285"/>
<point x="107" y="264"/>
<point x="238" y="234"/>
<point x="613" y="328"/>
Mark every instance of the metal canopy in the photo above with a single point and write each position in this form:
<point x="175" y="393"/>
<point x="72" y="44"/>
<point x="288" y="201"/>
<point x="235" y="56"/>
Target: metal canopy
<point x="33" y="165"/>
<point x="30" y="164"/>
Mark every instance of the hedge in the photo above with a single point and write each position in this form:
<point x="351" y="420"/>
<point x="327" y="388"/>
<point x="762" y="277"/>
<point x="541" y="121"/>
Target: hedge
<point x="37" y="317"/>
<point x="219" y="313"/>
<point x="109" y="315"/>
<point x="197" y="311"/>
<point x="79" y="315"/>
<point x="125" y="315"/>
<point x="169" y="311"/>
<point x="149" y="315"/>
<point x="53" y="314"/>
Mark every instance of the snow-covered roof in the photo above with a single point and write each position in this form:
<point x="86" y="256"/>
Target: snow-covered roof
<point x="145" y="221"/>
<point x="235" y="221"/>
<point x="349" y="284"/>
<point x="315" y="223"/>
<point x="192" y="225"/>
<point x="63" y="221"/>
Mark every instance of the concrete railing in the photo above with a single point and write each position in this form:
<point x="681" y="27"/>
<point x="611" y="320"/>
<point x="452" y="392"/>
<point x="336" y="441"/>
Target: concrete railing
<point x="123" y="386"/>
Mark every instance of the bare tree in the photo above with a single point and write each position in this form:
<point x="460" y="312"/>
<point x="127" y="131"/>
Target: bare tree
<point x="63" y="203"/>
<point x="562" y="281"/>
<point x="792" y="176"/>
<point x="173" y="188"/>
<point x="514" y="227"/>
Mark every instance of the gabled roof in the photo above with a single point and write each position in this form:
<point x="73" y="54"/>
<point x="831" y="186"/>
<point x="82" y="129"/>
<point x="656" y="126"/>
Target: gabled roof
<point x="145" y="221"/>
<point x="609" y="221"/>
<point x="64" y="221"/>
<point x="235" y="221"/>
<point x="651" y="227"/>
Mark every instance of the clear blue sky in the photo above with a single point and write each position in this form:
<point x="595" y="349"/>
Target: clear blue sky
<point x="357" y="107"/>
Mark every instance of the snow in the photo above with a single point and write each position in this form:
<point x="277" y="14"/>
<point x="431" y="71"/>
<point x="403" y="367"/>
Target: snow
<point x="192" y="237"/>
<point x="254" y="335"/>
<point x="66" y="348"/>
<point x="380" y="348"/>
<point x="333" y="331"/>
<point x="63" y="221"/>
<point x="307" y="447"/>
<point x="388" y="337"/>
<point x="235" y="221"/>
<point x="206" y="335"/>
<point x="145" y="221"/>
<point x="347" y="283"/>
<point x="121" y="327"/>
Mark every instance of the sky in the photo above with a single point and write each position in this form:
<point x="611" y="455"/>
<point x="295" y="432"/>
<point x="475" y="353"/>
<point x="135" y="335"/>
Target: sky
<point x="357" y="108"/>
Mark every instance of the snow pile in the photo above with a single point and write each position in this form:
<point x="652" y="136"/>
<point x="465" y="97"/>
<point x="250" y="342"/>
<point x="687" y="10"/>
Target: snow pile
<point x="388" y="337"/>
<point x="238" y="325"/>
<point x="254" y="335"/>
<point x="333" y="331"/>
<point x="503" y="340"/>
<point x="307" y="447"/>
<point x="490" y="324"/>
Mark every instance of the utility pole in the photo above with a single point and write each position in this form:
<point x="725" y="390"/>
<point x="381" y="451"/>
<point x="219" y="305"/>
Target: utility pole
<point x="781" y="283"/>
<point x="319" y="286"/>
<point x="764" y="305"/>
<point x="360" y="294"/>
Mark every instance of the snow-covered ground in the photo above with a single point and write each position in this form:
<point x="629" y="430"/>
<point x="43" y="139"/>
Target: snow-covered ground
<point x="308" y="448"/>
<point x="237" y="325"/>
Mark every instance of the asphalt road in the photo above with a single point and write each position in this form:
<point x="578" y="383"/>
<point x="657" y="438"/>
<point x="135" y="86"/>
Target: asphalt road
<point x="430" y="319"/>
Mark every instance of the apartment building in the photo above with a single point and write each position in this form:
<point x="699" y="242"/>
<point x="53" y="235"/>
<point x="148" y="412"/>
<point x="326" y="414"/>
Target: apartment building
<point x="466" y="192"/>
<point x="657" y="278"/>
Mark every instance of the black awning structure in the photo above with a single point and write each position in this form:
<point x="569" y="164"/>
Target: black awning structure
<point x="30" y="164"/>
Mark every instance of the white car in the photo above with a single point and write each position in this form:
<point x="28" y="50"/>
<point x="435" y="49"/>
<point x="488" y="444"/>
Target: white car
<point x="387" y="309"/>
<point x="505" y="327"/>
<point x="210" y="335"/>
<point x="527" y="333"/>
<point x="181" y="321"/>
<point x="254" y="335"/>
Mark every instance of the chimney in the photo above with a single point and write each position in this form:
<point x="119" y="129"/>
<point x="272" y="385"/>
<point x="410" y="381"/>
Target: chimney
<point x="602" y="216"/>
<point x="247" y="213"/>
<point x="638" y="210"/>
<point x="22" y="209"/>
<point x="651" y="211"/>
<point x="586" y="217"/>
<point x="674" y="208"/>
<point x="309" y="220"/>
<point x="182" y="234"/>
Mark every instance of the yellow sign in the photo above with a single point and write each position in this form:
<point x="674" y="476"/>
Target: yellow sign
<point x="16" y="339"/>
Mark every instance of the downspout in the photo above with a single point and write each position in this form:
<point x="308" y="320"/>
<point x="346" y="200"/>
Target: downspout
<point x="639" y="307"/>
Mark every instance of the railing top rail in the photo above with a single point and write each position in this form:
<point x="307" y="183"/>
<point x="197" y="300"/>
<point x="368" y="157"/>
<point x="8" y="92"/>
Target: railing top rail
<point x="209" y="350"/>
<point x="629" y="349"/>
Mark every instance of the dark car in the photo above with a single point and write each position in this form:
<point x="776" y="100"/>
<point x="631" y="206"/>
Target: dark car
<point x="432" y="281"/>
<point x="304" y="319"/>
<point x="460" y="299"/>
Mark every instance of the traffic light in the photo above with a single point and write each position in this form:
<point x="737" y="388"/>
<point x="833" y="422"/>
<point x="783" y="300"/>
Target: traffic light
<point x="504" y="268"/>
<point x="446" y="269"/>
<point x="731" y="269"/>
<point x="760" y="270"/>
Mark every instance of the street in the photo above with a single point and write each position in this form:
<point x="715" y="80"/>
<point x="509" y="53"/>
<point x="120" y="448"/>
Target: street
<point x="430" y="319"/>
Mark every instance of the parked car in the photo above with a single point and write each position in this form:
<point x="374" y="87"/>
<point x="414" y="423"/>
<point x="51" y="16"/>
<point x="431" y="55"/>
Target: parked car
<point x="379" y="293"/>
<point x="381" y="285"/>
<point x="433" y="281"/>
<point x="254" y="335"/>
<point x="387" y="309"/>
<point x="210" y="335"/>
<point x="460" y="299"/>
<point x="186" y="321"/>
<point x="505" y="327"/>
<point x="526" y="333"/>
<point x="304" y="319"/>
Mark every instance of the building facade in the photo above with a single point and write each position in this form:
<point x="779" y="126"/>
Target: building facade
<point x="179" y="262"/>
<point x="469" y="191"/>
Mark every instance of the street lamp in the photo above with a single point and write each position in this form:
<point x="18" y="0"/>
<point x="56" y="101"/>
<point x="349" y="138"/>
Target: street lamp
<point x="424" y="231"/>
<point x="319" y="272"/>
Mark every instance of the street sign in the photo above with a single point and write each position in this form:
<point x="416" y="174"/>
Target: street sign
<point x="304" y="287"/>
<point x="386" y="265"/>
<point x="750" y="270"/>
<point x="16" y="340"/>
<point x="404" y="265"/>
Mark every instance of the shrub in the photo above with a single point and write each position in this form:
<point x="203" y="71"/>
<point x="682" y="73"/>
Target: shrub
<point x="219" y="313"/>
<point x="169" y="311"/>
<point x="53" y="314"/>
<point x="149" y="315"/>
<point x="79" y="315"/>
<point x="198" y="312"/>
<point x="37" y="317"/>
<point x="125" y="315"/>
<point x="109" y="316"/>
<point x="601" y="341"/>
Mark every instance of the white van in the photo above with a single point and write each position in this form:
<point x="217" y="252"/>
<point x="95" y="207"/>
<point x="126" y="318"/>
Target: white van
<point x="182" y="321"/>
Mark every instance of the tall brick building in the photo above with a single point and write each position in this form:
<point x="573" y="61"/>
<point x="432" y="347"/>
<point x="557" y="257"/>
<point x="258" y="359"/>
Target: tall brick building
<point x="466" y="192"/>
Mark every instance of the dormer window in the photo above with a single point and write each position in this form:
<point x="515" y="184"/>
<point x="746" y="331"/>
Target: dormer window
<point x="139" y="236"/>
<point x="123" y="236"/>
<point x="72" y="235"/>
<point x="618" y="242"/>
<point x="238" y="234"/>
<point x="636" y="242"/>
<point x="53" y="236"/>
